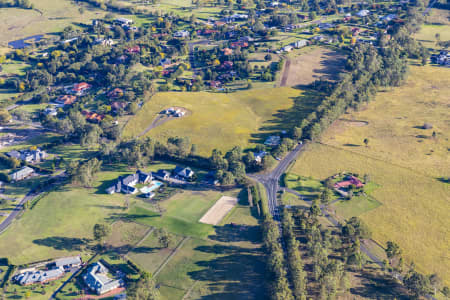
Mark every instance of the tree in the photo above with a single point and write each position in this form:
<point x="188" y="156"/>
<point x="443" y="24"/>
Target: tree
<point x="417" y="284"/>
<point x="101" y="231"/>
<point x="366" y="142"/>
<point x="164" y="238"/>
<point x="5" y="116"/>
<point x="326" y="195"/>
<point x="392" y="251"/>
<point x="143" y="288"/>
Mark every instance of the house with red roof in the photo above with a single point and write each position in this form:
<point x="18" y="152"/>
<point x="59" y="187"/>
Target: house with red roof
<point x="78" y="89"/>
<point x="66" y="99"/>
<point x="115" y="93"/>
<point x="241" y="44"/>
<point x="227" y="51"/>
<point x="134" y="49"/>
<point x="93" y="116"/>
<point x="349" y="180"/>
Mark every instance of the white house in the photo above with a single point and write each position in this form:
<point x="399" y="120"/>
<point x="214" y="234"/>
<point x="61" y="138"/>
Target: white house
<point x="301" y="43"/>
<point x="181" y="34"/>
<point x="363" y="13"/>
<point x="287" y="48"/>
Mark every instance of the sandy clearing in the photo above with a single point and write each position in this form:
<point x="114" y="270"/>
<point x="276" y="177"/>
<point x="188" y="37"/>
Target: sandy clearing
<point x="306" y="68"/>
<point x="219" y="210"/>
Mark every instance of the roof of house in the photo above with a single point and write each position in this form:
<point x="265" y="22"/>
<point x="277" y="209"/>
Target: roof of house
<point x="183" y="172"/>
<point x="162" y="173"/>
<point x="351" y="180"/>
<point x="14" y="153"/>
<point x="66" y="99"/>
<point x="97" y="279"/>
<point x="77" y="87"/>
<point x="25" y="171"/>
<point x="38" y="276"/>
<point x="66" y="261"/>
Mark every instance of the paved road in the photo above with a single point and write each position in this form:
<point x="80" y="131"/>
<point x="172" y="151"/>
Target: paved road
<point x="271" y="180"/>
<point x="19" y="207"/>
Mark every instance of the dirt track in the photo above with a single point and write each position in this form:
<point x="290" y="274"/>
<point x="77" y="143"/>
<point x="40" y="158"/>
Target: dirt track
<point x="219" y="210"/>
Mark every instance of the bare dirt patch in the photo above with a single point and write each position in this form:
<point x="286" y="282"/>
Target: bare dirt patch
<point x="219" y="210"/>
<point x="309" y="67"/>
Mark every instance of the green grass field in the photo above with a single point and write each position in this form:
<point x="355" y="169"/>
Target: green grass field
<point x="396" y="136"/>
<point x="222" y="121"/>
<point x="149" y="255"/>
<point x="60" y="223"/>
<point x="427" y="34"/>
<point x="414" y="210"/>
<point x="358" y="205"/>
<point x="179" y="214"/>
<point x="47" y="17"/>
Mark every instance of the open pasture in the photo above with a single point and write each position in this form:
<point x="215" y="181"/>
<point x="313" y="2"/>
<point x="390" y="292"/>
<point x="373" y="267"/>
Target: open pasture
<point x="61" y="223"/>
<point x="393" y="124"/>
<point x="48" y="16"/>
<point x="223" y="121"/>
<point x="427" y="35"/>
<point x="405" y="161"/>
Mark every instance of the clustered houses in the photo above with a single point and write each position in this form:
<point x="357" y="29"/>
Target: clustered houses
<point x="175" y="112"/>
<point x="126" y="184"/>
<point x="98" y="281"/>
<point x="55" y="270"/>
<point x="30" y="156"/>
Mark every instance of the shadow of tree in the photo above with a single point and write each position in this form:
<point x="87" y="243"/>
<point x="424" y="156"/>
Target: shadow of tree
<point x="63" y="243"/>
<point x="286" y="119"/>
<point x="237" y="233"/>
<point x="378" y="287"/>
<point x="236" y="275"/>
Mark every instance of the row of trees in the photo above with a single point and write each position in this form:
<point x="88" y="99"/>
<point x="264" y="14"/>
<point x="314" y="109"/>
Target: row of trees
<point x="369" y="68"/>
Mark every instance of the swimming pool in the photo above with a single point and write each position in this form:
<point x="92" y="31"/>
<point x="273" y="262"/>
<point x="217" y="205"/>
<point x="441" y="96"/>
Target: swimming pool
<point x="154" y="186"/>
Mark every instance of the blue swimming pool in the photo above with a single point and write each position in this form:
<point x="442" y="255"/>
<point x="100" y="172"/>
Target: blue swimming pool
<point x="154" y="186"/>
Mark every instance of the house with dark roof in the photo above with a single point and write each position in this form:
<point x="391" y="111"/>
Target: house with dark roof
<point x="38" y="276"/>
<point x="98" y="281"/>
<point x="183" y="173"/>
<point x="162" y="175"/>
<point x="125" y="184"/>
<point x="30" y="156"/>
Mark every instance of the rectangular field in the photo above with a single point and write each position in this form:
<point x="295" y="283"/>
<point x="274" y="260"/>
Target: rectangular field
<point x="307" y="65"/>
<point x="219" y="210"/>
